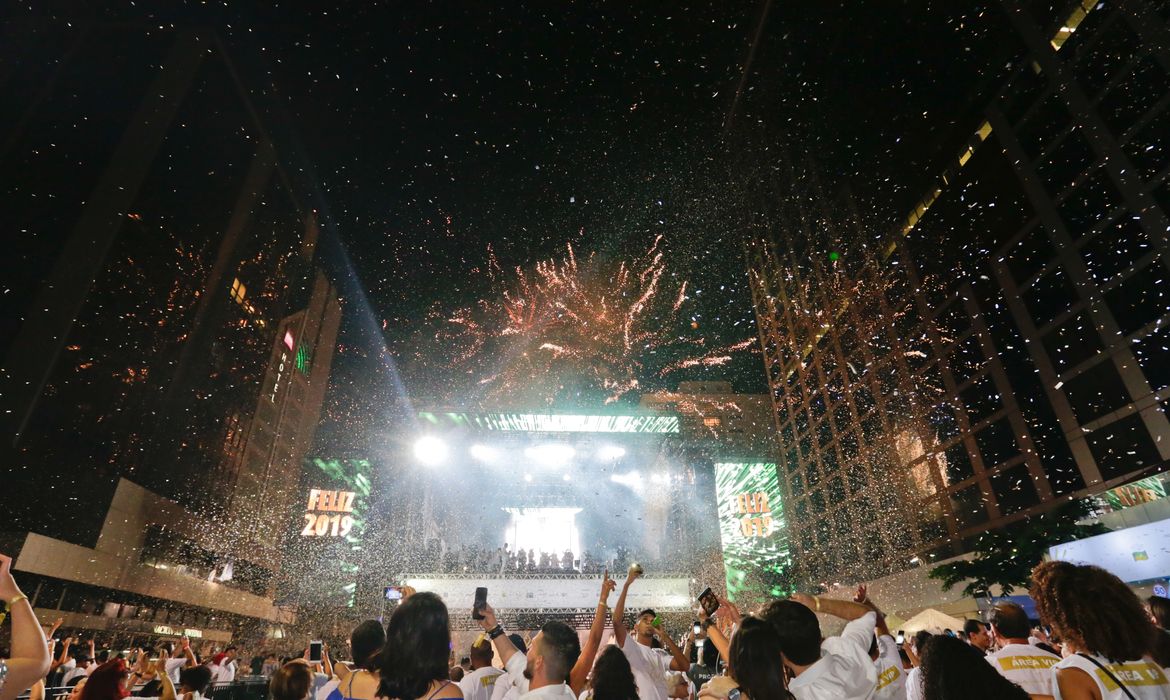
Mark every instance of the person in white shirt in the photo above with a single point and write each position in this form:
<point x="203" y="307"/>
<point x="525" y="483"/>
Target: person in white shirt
<point x="1105" y="631"/>
<point x="479" y="684"/>
<point x="545" y="670"/>
<point x="1025" y="665"/>
<point x="84" y="664"/>
<point x="891" y="681"/>
<point x="513" y="683"/>
<point x="838" y="667"/>
<point x="650" y="667"/>
<point x="914" y="676"/>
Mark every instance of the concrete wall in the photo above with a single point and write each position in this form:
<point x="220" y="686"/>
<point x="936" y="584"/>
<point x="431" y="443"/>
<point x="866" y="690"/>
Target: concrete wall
<point x="114" y="562"/>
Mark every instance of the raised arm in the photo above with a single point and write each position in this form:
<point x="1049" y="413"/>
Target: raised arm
<point x="168" y="688"/>
<point x="845" y="609"/>
<point x="326" y="661"/>
<point x="30" y="653"/>
<point x="584" y="663"/>
<point x="862" y="597"/>
<point x="619" y="610"/>
<point x="503" y="644"/>
<point x="679" y="660"/>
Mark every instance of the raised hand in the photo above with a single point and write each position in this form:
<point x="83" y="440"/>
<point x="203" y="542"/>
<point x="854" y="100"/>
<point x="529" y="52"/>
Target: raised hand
<point x="607" y="585"/>
<point x="732" y="609"/>
<point x="489" y="617"/>
<point x="862" y="594"/>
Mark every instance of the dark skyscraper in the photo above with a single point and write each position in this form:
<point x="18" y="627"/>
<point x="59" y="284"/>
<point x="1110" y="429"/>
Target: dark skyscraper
<point x="1005" y="347"/>
<point x="168" y="328"/>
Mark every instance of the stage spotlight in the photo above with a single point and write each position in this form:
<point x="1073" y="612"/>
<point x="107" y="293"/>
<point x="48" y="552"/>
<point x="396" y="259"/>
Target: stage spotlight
<point x="430" y="450"/>
<point x="611" y="452"/>
<point x="552" y="454"/>
<point x="484" y="453"/>
<point x="528" y="477"/>
<point x="565" y="477"/>
<point x="631" y="480"/>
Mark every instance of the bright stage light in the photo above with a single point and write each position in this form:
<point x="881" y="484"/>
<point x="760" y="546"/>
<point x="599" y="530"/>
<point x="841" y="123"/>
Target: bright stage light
<point x="430" y="450"/>
<point x="611" y="452"/>
<point x="552" y="454"/>
<point x="552" y="530"/>
<point x="632" y="479"/>
<point x="484" y="453"/>
<point x="528" y="477"/>
<point x="565" y="477"/>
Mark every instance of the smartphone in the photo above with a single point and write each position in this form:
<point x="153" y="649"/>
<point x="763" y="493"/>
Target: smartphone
<point x="697" y="628"/>
<point x="393" y="593"/>
<point x="901" y="638"/>
<point x="657" y="622"/>
<point x="709" y="602"/>
<point x="480" y="602"/>
<point x="315" y="651"/>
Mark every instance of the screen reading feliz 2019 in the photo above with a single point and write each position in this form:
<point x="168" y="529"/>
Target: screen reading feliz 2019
<point x="752" y="528"/>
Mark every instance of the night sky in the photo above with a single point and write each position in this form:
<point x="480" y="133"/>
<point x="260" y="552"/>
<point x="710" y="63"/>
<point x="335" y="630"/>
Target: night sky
<point x="436" y="130"/>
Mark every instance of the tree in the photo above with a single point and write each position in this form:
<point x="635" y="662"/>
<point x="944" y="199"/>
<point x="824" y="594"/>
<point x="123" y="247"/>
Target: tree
<point x="1006" y="558"/>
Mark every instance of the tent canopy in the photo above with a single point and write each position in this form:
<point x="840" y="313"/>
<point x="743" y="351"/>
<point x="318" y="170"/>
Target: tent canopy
<point x="931" y="620"/>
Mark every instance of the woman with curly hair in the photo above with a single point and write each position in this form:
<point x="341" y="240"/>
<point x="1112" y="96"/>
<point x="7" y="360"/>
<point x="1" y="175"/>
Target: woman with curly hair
<point x="613" y="679"/>
<point x="954" y="670"/>
<point x="1160" y="614"/>
<point x="1103" y="624"/>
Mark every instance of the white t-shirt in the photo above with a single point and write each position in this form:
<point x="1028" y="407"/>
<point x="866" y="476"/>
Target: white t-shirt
<point x="225" y="673"/>
<point x="479" y="684"/>
<point x="891" y="682"/>
<point x="512" y="684"/>
<point x="845" y="670"/>
<point x="914" y="689"/>
<point x="1027" y="666"/>
<point x="173" y="666"/>
<point x="75" y="672"/>
<point x="649" y="669"/>
<point x="1144" y="678"/>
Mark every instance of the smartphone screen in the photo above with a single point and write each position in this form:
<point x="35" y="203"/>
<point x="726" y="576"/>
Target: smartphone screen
<point x="480" y="601"/>
<point x="697" y="628"/>
<point x="393" y="593"/>
<point x="709" y="602"/>
<point x="315" y="651"/>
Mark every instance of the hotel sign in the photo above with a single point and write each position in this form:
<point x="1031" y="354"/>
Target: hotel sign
<point x="178" y="631"/>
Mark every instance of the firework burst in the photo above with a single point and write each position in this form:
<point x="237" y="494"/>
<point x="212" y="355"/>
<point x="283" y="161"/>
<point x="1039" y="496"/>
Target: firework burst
<point x="575" y="328"/>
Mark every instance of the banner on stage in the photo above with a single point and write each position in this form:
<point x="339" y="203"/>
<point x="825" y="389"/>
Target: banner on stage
<point x="666" y="594"/>
<point x="756" y="555"/>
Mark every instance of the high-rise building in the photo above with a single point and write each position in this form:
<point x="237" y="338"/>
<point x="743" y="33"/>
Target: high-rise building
<point x="1005" y="347"/>
<point x="168" y="330"/>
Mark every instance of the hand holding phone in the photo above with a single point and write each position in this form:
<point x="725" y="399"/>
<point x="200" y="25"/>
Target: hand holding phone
<point x="315" y="651"/>
<point x="480" y="602"/>
<point x="708" y="602"/>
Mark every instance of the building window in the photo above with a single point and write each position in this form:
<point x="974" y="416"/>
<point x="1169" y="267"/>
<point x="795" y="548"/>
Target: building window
<point x="1096" y="391"/>
<point x="1123" y="447"/>
<point x="1049" y="296"/>
<point x="1140" y="299"/>
<point x="970" y="506"/>
<point x="1073" y="342"/>
<point x="239" y="291"/>
<point x="1014" y="490"/>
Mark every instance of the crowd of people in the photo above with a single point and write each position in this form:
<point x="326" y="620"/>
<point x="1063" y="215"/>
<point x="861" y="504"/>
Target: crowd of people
<point x="1098" y="641"/>
<point x="505" y="561"/>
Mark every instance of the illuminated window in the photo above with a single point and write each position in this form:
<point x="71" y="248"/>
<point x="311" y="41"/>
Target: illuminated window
<point x="239" y="291"/>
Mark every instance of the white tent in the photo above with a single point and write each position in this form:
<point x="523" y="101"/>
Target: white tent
<point x="931" y="620"/>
